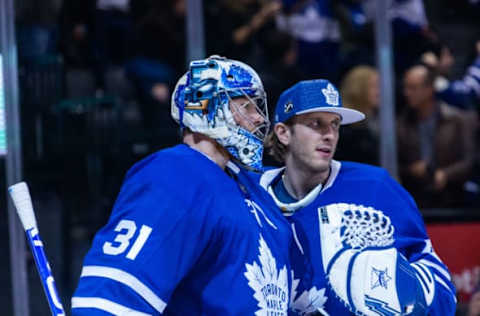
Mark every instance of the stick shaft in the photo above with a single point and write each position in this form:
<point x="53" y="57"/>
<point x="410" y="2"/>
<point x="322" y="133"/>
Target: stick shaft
<point x="45" y="272"/>
<point x="23" y="202"/>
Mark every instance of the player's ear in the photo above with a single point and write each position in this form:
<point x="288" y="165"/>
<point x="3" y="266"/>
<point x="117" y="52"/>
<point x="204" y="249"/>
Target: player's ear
<point x="283" y="133"/>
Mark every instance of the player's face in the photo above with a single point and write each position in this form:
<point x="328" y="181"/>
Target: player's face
<point x="246" y="114"/>
<point x="312" y="141"/>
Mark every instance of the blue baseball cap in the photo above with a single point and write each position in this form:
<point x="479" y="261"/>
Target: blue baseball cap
<point x="314" y="96"/>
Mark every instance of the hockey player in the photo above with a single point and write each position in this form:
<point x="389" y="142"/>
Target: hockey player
<point x="362" y="244"/>
<point x="191" y="232"/>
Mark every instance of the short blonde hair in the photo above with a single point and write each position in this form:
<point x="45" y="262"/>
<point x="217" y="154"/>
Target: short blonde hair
<point x="354" y="87"/>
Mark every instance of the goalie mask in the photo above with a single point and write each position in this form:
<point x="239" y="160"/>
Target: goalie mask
<point x="214" y="97"/>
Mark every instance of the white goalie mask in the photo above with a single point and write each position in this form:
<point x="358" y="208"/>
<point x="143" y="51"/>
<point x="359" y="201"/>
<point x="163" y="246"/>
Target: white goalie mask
<point x="202" y="101"/>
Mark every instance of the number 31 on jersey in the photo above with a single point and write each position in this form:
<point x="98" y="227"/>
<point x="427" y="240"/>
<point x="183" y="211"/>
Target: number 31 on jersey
<point x="126" y="231"/>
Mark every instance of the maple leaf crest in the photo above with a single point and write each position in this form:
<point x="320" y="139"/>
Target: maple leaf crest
<point x="269" y="284"/>
<point x="331" y="95"/>
<point x="309" y="301"/>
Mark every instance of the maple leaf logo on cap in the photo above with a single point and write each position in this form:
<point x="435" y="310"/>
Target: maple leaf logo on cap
<point x="331" y="95"/>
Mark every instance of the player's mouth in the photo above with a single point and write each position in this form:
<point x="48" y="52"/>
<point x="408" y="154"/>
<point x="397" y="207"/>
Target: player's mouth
<point x="324" y="151"/>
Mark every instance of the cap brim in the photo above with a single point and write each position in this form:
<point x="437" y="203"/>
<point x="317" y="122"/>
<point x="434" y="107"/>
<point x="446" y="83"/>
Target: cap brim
<point x="348" y="116"/>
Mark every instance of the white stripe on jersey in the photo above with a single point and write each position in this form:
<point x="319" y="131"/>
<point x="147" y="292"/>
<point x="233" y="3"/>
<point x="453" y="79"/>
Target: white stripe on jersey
<point x="439" y="280"/>
<point x="296" y="239"/>
<point x="426" y="281"/>
<point x="441" y="270"/>
<point x="128" y="280"/>
<point x="428" y="249"/>
<point x="105" y="305"/>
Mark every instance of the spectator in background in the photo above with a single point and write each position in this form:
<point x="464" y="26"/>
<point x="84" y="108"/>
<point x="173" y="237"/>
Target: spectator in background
<point x="94" y="36"/>
<point x="157" y="53"/>
<point x="317" y="31"/>
<point x="234" y="26"/>
<point x="435" y="143"/>
<point x="277" y="63"/>
<point x="76" y="33"/>
<point x="111" y="32"/>
<point x="37" y="29"/>
<point x="409" y="25"/>
<point x="360" y="141"/>
<point x="463" y="93"/>
<point x="358" y="39"/>
<point x="474" y="305"/>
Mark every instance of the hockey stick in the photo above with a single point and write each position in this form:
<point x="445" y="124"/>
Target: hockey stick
<point x="23" y="203"/>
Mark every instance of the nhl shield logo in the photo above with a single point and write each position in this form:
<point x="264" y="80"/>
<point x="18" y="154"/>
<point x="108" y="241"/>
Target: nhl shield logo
<point x="331" y="95"/>
<point x="288" y="107"/>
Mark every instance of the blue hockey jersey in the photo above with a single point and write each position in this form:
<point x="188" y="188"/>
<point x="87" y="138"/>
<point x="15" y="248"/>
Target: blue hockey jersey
<point x="363" y="187"/>
<point x="463" y="93"/>
<point x="185" y="238"/>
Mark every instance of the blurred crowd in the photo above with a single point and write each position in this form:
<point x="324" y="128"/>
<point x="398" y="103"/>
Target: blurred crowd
<point x="436" y="49"/>
<point x="84" y="54"/>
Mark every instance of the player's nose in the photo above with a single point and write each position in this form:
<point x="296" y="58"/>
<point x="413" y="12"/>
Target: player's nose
<point x="257" y="118"/>
<point x="328" y="133"/>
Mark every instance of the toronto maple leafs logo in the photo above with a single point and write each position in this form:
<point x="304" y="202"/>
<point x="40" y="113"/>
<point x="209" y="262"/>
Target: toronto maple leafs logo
<point x="331" y="95"/>
<point x="309" y="301"/>
<point x="379" y="278"/>
<point x="269" y="284"/>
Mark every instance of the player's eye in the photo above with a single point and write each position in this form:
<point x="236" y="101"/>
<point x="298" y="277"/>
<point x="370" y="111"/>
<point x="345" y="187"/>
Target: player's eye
<point x="315" y="124"/>
<point x="249" y="106"/>
<point x="335" y="125"/>
<point x="318" y="124"/>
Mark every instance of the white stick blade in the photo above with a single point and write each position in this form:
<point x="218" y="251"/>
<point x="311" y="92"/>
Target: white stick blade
<point x="23" y="203"/>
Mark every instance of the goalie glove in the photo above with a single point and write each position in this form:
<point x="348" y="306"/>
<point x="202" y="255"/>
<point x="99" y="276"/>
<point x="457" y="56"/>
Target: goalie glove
<point x="363" y="268"/>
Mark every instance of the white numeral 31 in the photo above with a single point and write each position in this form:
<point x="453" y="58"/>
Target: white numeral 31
<point x="127" y="229"/>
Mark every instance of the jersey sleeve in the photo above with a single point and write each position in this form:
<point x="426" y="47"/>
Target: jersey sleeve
<point x="464" y="92"/>
<point x="156" y="233"/>
<point x="412" y="241"/>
